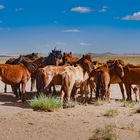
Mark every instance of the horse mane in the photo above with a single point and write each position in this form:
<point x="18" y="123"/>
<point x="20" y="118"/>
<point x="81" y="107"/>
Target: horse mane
<point x="113" y="63"/>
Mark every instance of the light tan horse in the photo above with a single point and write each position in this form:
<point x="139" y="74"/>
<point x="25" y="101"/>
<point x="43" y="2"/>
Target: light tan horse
<point x="74" y="76"/>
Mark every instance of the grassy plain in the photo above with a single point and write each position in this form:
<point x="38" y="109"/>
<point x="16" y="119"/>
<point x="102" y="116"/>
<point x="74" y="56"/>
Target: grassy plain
<point x="132" y="59"/>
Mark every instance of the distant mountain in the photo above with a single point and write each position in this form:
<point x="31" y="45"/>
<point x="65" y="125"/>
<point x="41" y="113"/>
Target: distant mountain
<point x="8" y="55"/>
<point x="106" y="53"/>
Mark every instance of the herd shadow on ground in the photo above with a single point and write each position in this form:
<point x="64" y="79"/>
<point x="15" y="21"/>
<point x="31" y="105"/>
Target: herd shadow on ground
<point x="9" y="99"/>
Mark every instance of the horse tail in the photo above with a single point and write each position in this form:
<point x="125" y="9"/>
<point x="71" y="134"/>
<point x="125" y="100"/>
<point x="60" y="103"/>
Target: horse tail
<point x="103" y="88"/>
<point x="39" y="81"/>
<point x="100" y="86"/>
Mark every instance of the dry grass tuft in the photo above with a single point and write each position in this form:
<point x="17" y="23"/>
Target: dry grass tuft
<point x="111" y="112"/>
<point x="107" y="133"/>
<point x="128" y="104"/>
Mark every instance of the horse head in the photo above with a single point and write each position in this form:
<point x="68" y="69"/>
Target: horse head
<point x="86" y="63"/>
<point x="67" y="57"/>
<point x="119" y="68"/>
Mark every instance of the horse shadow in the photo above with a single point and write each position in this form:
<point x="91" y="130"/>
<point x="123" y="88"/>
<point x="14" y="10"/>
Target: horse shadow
<point x="8" y="99"/>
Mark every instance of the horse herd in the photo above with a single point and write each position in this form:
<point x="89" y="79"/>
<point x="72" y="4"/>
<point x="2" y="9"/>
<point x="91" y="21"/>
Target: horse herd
<point x="71" y="73"/>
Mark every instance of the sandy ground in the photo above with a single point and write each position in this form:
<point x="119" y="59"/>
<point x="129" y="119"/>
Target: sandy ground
<point x="19" y="121"/>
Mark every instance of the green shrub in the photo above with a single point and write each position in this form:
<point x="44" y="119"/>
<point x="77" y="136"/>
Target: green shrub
<point x="45" y="103"/>
<point x="111" y="113"/>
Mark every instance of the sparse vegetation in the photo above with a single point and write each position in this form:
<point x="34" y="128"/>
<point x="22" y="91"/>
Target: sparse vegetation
<point x="70" y="104"/>
<point x="138" y="133"/>
<point x="99" y="102"/>
<point x="45" y="103"/>
<point x="111" y="112"/>
<point x="137" y="109"/>
<point x="129" y="126"/>
<point x="107" y="133"/>
<point x="128" y="104"/>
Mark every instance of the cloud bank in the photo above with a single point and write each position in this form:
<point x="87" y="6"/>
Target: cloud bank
<point x="135" y="16"/>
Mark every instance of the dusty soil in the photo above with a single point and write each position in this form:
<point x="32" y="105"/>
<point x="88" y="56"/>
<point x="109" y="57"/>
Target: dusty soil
<point x="19" y="121"/>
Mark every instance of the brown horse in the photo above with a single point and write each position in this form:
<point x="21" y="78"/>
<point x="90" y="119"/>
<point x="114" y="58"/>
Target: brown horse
<point x="102" y="79"/>
<point x="48" y="76"/>
<point x="69" y="58"/>
<point x="131" y="76"/>
<point x="13" y="61"/>
<point x="114" y="77"/>
<point x="106" y="72"/>
<point x="14" y="75"/>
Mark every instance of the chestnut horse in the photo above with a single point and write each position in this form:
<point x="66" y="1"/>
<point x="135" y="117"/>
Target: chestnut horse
<point x="69" y="58"/>
<point x="13" y="61"/>
<point x="14" y="75"/>
<point x="114" y="78"/>
<point x="102" y="77"/>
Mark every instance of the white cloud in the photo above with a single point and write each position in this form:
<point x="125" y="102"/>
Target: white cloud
<point x="81" y="9"/>
<point x="85" y="44"/>
<point x="2" y="7"/>
<point x="135" y="16"/>
<point x="103" y="10"/>
<point x="71" y="30"/>
<point x="105" y="7"/>
<point x="19" y="9"/>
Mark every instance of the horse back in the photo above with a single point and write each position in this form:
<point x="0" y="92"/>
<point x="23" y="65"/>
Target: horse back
<point x="13" y="74"/>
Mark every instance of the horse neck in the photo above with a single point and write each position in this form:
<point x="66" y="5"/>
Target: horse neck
<point x="113" y="75"/>
<point x="80" y="69"/>
<point x="50" y="60"/>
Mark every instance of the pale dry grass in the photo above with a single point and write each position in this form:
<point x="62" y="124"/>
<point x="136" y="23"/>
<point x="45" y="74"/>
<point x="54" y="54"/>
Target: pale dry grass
<point x="132" y="59"/>
<point x="2" y="60"/>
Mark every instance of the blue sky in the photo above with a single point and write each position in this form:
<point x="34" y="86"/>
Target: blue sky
<point x="80" y="26"/>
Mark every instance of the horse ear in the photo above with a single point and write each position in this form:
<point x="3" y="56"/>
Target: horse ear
<point x="83" y="56"/>
<point x="64" y="53"/>
<point x="70" y="52"/>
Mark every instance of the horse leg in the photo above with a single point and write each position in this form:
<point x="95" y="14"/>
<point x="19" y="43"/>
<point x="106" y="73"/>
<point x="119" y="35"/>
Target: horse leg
<point x="32" y="83"/>
<point x="73" y="93"/>
<point x="139" y="94"/>
<point x="19" y="91"/>
<point x="62" y="93"/>
<point x="23" y="92"/>
<point x="136" y="95"/>
<point x="128" y="91"/>
<point x="122" y="90"/>
<point x="5" y="88"/>
<point x="54" y="90"/>
<point x="14" y="89"/>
